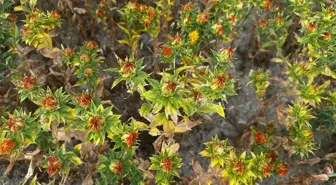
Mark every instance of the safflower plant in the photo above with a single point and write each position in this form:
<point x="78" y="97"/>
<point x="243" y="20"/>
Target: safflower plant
<point x="77" y="123"/>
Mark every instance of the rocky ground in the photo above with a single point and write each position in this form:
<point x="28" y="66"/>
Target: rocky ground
<point x="241" y="111"/>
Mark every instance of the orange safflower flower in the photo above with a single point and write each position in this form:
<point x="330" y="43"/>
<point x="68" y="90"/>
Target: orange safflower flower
<point x="91" y="45"/>
<point x="187" y="7"/>
<point x="11" y="17"/>
<point x="170" y="87"/>
<point x="271" y="155"/>
<point x="279" y="20"/>
<point x="88" y="72"/>
<point x="146" y="23"/>
<point x="28" y="83"/>
<point x="54" y="165"/>
<point x="26" y="31"/>
<point x="268" y="4"/>
<point x="262" y="23"/>
<point x="228" y="76"/>
<point x="36" y="11"/>
<point x="260" y="137"/>
<point x="258" y="75"/>
<point x="326" y="35"/>
<point x="151" y="14"/>
<point x="54" y="15"/>
<point x="231" y="52"/>
<point x="103" y="3"/>
<point x="95" y="123"/>
<point x="84" y="57"/>
<point x="197" y="95"/>
<point x="166" y="50"/>
<point x="282" y="169"/>
<point x="6" y="146"/>
<point x="232" y="19"/>
<point x="84" y="100"/>
<point x="128" y="67"/>
<point x="15" y="124"/>
<point x="331" y="11"/>
<point x="219" y="29"/>
<point x="266" y="169"/>
<point x="49" y="102"/>
<point x="177" y="38"/>
<point x="311" y="27"/>
<point x="239" y="167"/>
<point x="130" y="139"/>
<point x="68" y="52"/>
<point x="201" y="73"/>
<point x="202" y="18"/>
<point x="219" y="81"/>
<point x="167" y="164"/>
<point x="100" y="12"/>
<point x="117" y="168"/>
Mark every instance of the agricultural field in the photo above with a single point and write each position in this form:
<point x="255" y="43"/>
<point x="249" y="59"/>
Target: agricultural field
<point x="167" y="92"/>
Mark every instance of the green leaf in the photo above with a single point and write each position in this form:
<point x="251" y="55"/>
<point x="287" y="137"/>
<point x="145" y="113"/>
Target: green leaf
<point x="211" y="107"/>
<point x="168" y="127"/>
<point x="145" y="109"/>
<point x="277" y="60"/>
<point x="267" y="44"/>
<point x="76" y="160"/>
<point x="32" y="3"/>
<point x="125" y="30"/>
<point x="141" y="125"/>
<point x="124" y="42"/>
<point x="33" y="181"/>
<point x="116" y="82"/>
<point x="154" y="131"/>
<point x="18" y="8"/>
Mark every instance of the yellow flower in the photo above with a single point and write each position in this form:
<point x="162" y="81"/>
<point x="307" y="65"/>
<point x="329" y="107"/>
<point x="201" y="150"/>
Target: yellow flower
<point x="193" y="36"/>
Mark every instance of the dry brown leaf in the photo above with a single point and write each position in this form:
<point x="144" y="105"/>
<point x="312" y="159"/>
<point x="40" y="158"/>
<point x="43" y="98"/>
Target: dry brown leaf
<point x="30" y="171"/>
<point x="62" y="3"/>
<point x="31" y="155"/>
<point x="48" y="53"/>
<point x="306" y="179"/>
<point x="158" y="143"/>
<point x="62" y="136"/>
<point x="101" y="148"/>
<point x="88" y="179"/>
<point x="280" y="114"/>
<point x="328" y="169"/>
<point x="143" y="165"/>
<point x="310" y="162"/>
<point x="196" y="166"/>
<point x="331" y="155"/>
<point x="66" y="135"/>
<point x="86" y="150"/>
<point x="175" y="147"/>
<point x="321" y="178"/>
<point x="186" y="125"/>
<point x="24" y="50"/>
<point x="99" y="92"/>
<point x="278" y="141"/>
<point x="80" y="11"/>
<point x="12" y="160"/>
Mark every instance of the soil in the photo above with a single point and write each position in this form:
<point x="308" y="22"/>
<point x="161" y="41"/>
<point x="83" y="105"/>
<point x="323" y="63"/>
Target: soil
<point x="242" y="111"/>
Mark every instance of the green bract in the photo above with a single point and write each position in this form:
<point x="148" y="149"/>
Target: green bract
<point x="166" y="165"/>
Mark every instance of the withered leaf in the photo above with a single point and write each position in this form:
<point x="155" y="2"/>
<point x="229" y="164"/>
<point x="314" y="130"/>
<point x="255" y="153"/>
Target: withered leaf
<point x="331" y="155"/>
<point x="305" y="179"/>
<point x="310" y="161"/>
<point x="80" y="11"/>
